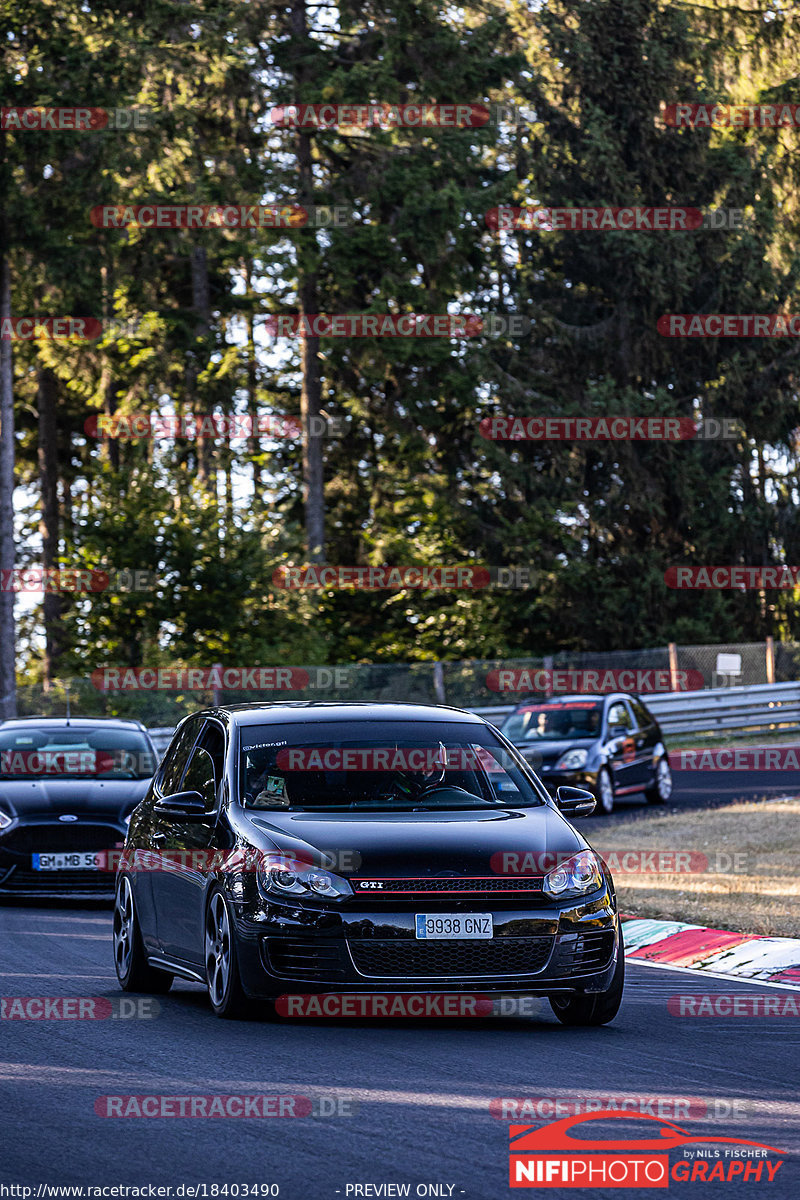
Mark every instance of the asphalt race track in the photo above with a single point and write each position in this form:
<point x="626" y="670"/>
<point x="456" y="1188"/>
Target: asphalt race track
<point x="700" y="789"/>
<point x="423" y="1088"/>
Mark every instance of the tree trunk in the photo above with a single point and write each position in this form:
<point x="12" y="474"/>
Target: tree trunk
<point x="254" y="441"/>
<point x="310" y="410"/>
<point x="201" y="303"/>
<point x="8" y="679"/>
<point x="311" y="392"/>
<point x="53" y="604"/>
<point x="107" y="384"/>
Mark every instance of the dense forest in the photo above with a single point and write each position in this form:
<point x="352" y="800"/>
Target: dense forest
<point x="359" y="450"/>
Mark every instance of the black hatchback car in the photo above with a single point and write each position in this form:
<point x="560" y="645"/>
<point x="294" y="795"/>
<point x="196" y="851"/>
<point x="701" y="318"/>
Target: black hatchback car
<point x="361" y="848"/>
<point x="67" y="790"/>
<point x="609" y="744"/>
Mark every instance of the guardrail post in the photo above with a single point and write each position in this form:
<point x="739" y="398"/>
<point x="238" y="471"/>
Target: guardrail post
<point x="673" y="667"/>
<point x="770" y="660"/>
<point x="438" y="683"/>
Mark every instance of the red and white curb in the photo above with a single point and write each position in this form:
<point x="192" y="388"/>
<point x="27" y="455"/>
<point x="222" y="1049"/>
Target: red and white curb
<point x="773" y="960"/>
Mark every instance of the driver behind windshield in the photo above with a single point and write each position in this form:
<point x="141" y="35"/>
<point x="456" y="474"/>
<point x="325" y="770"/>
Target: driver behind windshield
<point x="276" y="778"/>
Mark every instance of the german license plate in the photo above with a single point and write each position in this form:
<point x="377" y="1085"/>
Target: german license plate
<point x="79" y="860"/>
<point x="432" y="926"/>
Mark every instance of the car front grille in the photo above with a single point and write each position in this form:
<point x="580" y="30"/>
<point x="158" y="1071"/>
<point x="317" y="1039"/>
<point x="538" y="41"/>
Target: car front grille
<point x="59" y="837"/>
<point x="402" y="958"/>
<point x="477" y="885"/>
<point x="99" y="883"/>
<point x="580" y="953"/>
<point x="303" y="958"/>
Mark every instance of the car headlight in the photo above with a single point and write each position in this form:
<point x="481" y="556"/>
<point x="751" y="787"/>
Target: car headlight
<point x="286" y="879"/>
<point x="576" y="875"/>
<point x="5" y="820"/>
<point x="572" y="760"/>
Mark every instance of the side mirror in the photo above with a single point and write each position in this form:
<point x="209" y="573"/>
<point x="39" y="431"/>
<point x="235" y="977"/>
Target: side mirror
<point x="189" y="806"/>
<point x="576" y="802"/>
<point x="618" y="731"/>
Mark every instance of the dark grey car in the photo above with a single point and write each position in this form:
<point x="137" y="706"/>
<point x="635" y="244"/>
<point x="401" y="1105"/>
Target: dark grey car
<point x="610" y="744"/>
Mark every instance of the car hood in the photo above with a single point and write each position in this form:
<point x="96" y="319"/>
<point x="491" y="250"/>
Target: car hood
<point x="397" y="844"/>
<point x="550" y="752"/>
<point x="81" y="797"/>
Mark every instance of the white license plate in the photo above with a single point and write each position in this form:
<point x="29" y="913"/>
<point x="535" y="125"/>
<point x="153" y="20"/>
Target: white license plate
<point x="80" y="860"/>
<point x="454" y="925"/>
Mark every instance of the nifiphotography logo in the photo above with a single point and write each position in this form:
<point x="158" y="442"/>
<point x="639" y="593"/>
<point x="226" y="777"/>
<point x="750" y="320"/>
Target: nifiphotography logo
<point x="549" y="1156"/>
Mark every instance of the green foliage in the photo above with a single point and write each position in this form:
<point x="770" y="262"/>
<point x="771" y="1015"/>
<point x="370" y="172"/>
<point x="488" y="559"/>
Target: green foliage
<point x="413" y="481"/>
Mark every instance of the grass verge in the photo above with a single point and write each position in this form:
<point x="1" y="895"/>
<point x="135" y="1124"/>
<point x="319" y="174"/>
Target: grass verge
<point x="732" y="737"/>
<point x="749" y="883"/>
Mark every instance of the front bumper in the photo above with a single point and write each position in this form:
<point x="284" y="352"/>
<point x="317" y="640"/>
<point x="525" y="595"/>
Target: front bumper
<point x="553" y="779"/>
<point x="27" y="884"/>
<point x="20" y="878"/>
<point x="549" y="950"/>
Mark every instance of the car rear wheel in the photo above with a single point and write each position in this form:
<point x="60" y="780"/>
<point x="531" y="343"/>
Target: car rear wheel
<point x="598" y="1009"/>
<point x="661" y="790"/>
<point x="130" y="961"/>
<point x="224" y="982"/>
<point x="605" y="791"/>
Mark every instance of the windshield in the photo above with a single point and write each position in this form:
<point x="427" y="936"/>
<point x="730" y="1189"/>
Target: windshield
<point x="73" y="752"/>
<point x="393" y="766"/>
<point x="555" y="721"/>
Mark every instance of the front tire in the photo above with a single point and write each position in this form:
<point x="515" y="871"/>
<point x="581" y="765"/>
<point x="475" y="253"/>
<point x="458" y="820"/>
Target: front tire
<point x="661" y="790"/>
<point x="598" y="1009"/>
<point x="130" y="961"/>
<point x="225" y="991"/>
<point x="605" y="792"/>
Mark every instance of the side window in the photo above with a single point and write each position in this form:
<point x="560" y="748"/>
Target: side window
<point x="176" y="758"/>
<point x="618" y="715"/>
<point x="642" y="715"/>
<point x="206" y="766"/>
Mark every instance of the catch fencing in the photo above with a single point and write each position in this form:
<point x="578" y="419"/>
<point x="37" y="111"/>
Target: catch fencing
<point x="689" y="688"/>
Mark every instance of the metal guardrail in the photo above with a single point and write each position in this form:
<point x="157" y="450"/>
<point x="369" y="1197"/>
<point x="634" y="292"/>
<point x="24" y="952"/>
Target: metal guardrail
<point x="162" y="737"/>
<point x="759" y="707"/>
